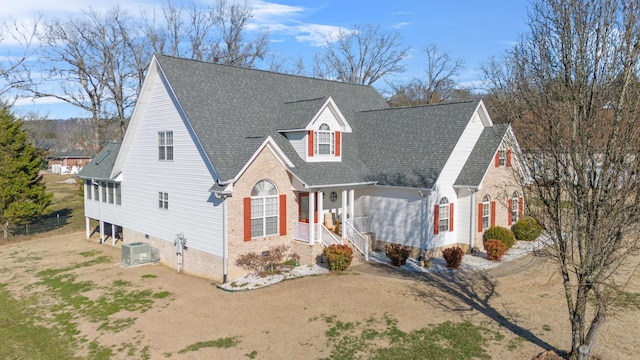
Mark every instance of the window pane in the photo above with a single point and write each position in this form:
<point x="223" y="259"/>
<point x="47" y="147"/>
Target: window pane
<point x="271" y="226"/>
<point x="271" y="206"/>
<point x="161" y="139"/>
<point x="161" y="153"/>
<point x="103" y="186"/>
<point x="96" y="192"/>
<point x="110" y="193"/>
<point x="87" y="184"/>
<point x="169" y="140"/>
<point x="257" y="209"/>
<point x="169" y="153"/>
<point x="256" y="227"/>
<point x="118" y="195"/>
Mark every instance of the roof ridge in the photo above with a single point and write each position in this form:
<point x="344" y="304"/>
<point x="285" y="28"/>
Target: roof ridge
<point x="423" y="105"/>
<point x="261" y="70"/>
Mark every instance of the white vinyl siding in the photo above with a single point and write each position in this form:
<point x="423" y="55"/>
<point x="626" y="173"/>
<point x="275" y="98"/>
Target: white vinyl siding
<point x="193" y="210"/>
<point x="394" y="215"/>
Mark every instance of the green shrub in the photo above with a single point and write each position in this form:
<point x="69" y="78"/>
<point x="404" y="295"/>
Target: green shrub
<point x="398" y="254"/>
<point x="495" y="249"/>
<point x="453" y="257"/>
<point x="338" y="257"/>
<point x="527" y="229"/>
<point x="500" y="233"/>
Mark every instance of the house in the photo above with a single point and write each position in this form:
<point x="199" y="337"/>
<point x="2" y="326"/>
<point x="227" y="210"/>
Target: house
<point x="68" y="161"/>
<point x="237" y="160"/>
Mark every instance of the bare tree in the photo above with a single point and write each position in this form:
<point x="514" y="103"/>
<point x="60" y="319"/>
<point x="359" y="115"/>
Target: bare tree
<point x="87" y="62"/>
<point x="219" y="33"/>
<point x="362" y="55"/>
<point x="575" y="74"/>
<point x="13" y="72"/>
<point x="232" y="21"/>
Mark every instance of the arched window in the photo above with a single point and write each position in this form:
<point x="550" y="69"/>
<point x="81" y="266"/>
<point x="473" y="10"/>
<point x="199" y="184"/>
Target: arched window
<point x="486" y="211"/>
<point x="514" y="208"/>
<point x="324" y="140"/>
<point x="443" y="215"/>
<point x="264" y="209"/>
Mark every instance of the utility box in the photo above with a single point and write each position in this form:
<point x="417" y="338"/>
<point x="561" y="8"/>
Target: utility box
<point x="136" y="253"/>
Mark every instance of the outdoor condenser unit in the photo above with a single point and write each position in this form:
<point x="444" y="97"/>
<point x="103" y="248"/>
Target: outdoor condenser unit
<point x="136" y="253"/>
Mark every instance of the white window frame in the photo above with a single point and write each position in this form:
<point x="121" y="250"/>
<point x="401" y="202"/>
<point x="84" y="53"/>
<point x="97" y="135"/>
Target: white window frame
<point x="165" y="145"/>
<point x="324" y="138"/>
<point x="443" y="215"/>
<point x="502" y="153"/>
<point x="265" y="209"/>
<point x="486" y="212"/>
<point x="163" y="200"/>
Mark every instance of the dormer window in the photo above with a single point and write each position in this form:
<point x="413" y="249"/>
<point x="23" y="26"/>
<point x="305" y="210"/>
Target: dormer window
<point x="324" y="140"/>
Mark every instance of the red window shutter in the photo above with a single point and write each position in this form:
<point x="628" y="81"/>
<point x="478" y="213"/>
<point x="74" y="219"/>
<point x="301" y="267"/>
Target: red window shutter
<point x="436" y="216"/>
<point x="283" y="215"/>
<point x="493" y="213"/>
<point x="310" y="151"/>
<point x="520" y="207"/>
<point x="451" y="217"/>
<point x="509" y="203"/>
<point x="508" y="158"/>
<point x="479" y="217"/>
<point x="247" y="219"/>
<point x="497" y="160"/>
<point x="337" y="143"/>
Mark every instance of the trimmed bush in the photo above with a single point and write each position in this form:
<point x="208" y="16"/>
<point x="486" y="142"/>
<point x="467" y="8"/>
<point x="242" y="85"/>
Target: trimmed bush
<point x="338" y="257"/>
<point x="453" y="257"/>
<point x="500" y="233"/>
<point x="527" y="229"/>
<point x="269" y="262"/>
<point x="495" y="249"/>
<point x="398" y="254"/>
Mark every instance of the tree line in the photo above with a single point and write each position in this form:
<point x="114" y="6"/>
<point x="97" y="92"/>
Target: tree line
<point x="97" y="61"/>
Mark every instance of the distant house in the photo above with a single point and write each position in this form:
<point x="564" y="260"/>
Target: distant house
<point x="239" y="160"/>
<point x="68" y="161"/>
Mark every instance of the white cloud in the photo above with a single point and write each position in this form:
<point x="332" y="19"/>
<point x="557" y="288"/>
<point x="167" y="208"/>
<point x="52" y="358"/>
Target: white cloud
<point x="400" y="25"/>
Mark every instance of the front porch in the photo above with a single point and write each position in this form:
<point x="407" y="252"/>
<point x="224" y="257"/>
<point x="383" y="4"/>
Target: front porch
<point x="351" y="232"/>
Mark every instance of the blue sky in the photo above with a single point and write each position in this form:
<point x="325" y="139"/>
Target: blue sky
<point x="470" y="30"/>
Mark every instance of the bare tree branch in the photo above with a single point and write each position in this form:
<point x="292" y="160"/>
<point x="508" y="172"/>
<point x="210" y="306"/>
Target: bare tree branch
<point x="362" y="55"/>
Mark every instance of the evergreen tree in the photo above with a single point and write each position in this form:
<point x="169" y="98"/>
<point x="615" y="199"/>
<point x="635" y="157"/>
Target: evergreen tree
<point x="22" y="194"/>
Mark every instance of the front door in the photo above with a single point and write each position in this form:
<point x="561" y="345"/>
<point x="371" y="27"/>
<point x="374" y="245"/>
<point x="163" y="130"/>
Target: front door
<point x="303" y="208"/>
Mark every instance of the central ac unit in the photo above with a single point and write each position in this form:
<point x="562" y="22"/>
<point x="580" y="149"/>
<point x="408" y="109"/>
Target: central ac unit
<point x="136" y="253"/>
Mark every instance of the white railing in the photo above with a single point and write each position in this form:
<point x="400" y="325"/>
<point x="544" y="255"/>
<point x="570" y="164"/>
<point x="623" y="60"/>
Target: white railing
<point x="358" y="240"/>
<point x="327" y="237"/>
<point x="301" y="231"/>
<point x="361" y="224"/>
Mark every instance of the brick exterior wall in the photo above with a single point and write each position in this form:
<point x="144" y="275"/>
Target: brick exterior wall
<point x="265" y="167"/>
<point x="194" y="262"/>
<point x="499" y="183"/>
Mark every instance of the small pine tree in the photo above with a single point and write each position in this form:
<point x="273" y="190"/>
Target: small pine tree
<point x="22" y="194"/>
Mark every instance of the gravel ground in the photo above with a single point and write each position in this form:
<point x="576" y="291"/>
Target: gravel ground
<point x="470" y="262"/>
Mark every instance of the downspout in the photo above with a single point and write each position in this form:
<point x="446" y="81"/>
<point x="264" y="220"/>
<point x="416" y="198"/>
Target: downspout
<point x="225" y="240"/>
<point x="423" y="226"/>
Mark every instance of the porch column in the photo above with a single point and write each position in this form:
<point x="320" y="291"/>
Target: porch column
<point x="320" y="207"/>
<point x="87" y="227"/>
<point x="113" y="234"/>
<point x="352" y="207"/>
<point x="344" y="206"/>
<point x="312" y="216"/>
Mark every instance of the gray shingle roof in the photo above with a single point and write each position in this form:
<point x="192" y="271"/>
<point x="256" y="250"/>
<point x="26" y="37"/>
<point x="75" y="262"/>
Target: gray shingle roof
<point x="101" y="165"/>
<point x="410" y="146"/>
<point x="233" y="110"/>
<point x="481" y="156"/>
